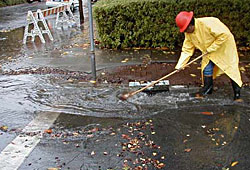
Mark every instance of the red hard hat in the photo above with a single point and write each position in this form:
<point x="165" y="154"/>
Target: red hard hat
<point x="183" y="19"/>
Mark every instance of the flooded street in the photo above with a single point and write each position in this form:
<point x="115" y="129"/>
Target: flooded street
<point x="84" y="125"/>
<point x="10" y="20"/>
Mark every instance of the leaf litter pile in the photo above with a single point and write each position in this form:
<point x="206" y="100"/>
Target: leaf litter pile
<point x="131" y="144"/>
<point x="138" y="143"/>
<point x="69" y="75"/>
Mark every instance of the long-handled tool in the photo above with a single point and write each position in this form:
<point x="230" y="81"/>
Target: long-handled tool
<point x="127" y="95"/>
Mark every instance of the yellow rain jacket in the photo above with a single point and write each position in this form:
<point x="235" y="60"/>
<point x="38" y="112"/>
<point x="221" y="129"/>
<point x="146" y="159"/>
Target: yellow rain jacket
<point x="212" y="36"/>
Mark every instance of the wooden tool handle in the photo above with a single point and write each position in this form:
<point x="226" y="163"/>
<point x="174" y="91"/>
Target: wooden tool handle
<point x="135" y="92"/>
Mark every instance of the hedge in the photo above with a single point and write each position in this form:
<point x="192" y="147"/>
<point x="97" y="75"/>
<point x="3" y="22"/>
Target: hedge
<point x="11" y="2"/>
<point x="151" y="23"/>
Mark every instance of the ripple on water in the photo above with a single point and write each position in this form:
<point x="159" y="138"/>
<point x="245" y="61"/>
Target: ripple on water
<point x="13" y="96"/>
<point x="29" y="93"/>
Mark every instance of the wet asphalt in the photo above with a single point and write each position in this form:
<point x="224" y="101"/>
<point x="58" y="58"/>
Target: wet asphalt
<point x="96" y="130"/>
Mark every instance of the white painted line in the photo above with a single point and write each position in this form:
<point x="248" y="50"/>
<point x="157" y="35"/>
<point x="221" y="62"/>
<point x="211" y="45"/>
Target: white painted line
<point x="19" y="149"/>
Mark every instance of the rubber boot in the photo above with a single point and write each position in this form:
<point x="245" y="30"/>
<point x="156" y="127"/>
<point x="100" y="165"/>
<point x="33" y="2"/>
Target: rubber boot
<point x="207" y="89"/>
<point x="236" y="89"/>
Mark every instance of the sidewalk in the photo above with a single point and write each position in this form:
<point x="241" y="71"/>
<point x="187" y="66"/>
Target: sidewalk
<point x="155" y="70"/>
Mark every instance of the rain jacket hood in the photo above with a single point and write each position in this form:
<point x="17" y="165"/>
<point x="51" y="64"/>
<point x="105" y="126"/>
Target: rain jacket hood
<point x="212" y="36"/>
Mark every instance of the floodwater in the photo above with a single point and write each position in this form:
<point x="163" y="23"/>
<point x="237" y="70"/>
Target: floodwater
<point x="10" y="20"/>
<point x="193" y="134"/>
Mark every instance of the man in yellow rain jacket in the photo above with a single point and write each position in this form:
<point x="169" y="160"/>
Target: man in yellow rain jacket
<point x="210" y="36"/>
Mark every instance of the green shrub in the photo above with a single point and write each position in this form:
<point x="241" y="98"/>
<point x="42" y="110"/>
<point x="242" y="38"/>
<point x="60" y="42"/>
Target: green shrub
<point x="11" y="2"/>
<point x="151" y="23"/>
<point x="2" y="4"/>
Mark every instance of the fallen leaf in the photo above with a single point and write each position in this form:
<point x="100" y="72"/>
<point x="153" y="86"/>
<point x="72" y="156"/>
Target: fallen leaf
<point x="92" y="81"/>
<point x="203" y="126"/>
<point x="90" y="136"/>
<point x="207" y="113"/>
<point x="217" y="129"/>
<point x="124" y="148"/>
<point x="188" y="150"/>
<point x="242" y="69"/>
<point x="125" y="136"/>
<point x="85" y="45"/>
<point x="70" y="80"/>
<point x="164" y="48"/>
<point x="234" y="163"/>
<point x="75" y="134"/>
<point x="112" y="134"/>
<point x="138" y="168"/>
<point x="184" y="141"/>
<point x="49" y="131"/>
<point x="125" y="167"/>
<point x="193" y="75"/>
<point x="93" y="130"/>
<point x="65" y="142"/>
<point x="97" y="42"/>
<point x="4" y="30"/>
<point x="129" y="145"/>
<point x="4" y="128"/>
<point x="160" y="165"/>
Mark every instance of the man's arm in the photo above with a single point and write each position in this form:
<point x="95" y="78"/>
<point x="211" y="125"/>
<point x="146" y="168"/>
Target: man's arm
<point x="187" y="51"/>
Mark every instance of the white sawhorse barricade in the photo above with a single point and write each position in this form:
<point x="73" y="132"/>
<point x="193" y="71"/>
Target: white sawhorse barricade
<point x="33" y="18"/>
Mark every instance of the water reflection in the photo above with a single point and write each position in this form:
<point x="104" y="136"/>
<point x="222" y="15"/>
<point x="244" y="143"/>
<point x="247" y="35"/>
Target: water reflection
<point x="10" y="43"/>
<point x="193" y="140"/>
<point x="220" y="135"/>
